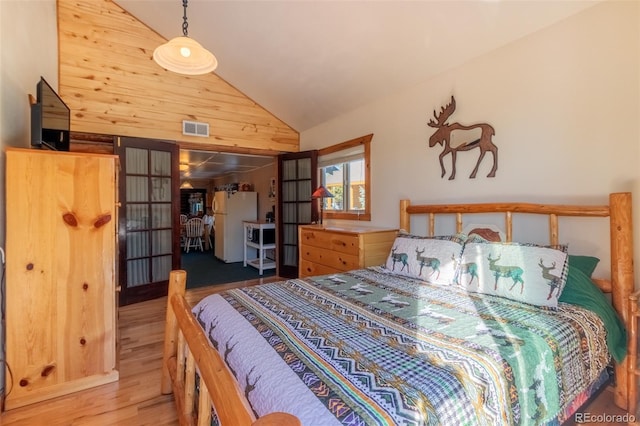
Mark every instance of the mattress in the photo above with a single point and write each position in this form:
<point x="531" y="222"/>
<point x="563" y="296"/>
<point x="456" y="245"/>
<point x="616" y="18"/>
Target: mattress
<point x="369" y="347"/>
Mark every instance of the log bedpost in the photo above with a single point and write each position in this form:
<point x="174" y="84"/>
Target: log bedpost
<point x="405" y="223"/>
<point x="177" y="285"/>
<point x="621" y="229"/>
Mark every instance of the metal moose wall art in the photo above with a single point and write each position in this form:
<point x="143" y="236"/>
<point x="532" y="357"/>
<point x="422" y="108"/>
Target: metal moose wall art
<point x="443" y="135"/>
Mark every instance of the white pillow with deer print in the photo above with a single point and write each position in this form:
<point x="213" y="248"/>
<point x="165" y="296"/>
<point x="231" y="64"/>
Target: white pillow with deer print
<point x="431" y="259"/>
<point x="527" y="273"/>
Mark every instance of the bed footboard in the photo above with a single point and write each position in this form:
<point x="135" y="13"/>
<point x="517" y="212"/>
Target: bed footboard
<point x="218" y="388"/>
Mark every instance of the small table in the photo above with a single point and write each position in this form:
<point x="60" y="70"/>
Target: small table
<point x="261" y="262"/>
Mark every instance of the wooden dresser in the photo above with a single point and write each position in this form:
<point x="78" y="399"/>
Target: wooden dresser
<point x="61" y="327"/>
<point x="327" y="249"/>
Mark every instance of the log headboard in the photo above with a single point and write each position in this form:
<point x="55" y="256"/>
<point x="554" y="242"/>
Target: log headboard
<point x="620" y="284"/>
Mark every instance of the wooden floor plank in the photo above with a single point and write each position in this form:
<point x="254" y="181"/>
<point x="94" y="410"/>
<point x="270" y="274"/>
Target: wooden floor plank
<point x="135" y="400"/>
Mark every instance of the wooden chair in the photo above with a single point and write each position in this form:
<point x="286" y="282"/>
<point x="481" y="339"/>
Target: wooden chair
<point x="194" y="229"/>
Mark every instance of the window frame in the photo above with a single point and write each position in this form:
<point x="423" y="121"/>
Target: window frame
<point x="365" y="141"/>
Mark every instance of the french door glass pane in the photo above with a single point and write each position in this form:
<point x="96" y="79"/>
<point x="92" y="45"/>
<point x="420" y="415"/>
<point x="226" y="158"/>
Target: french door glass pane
<point x="161" y="242"/>
<point x="160" y="163"/>
<point x="304" y="212"/>
<point x="288" y="169"/>
<point x="137" y="216"/>
<point x="137" y="272"/>
<point x="289" y="213"/>
<point x="290" y="234"/>
<point x="161" y="267"/>
<point x="289" y="191"/>
<point x="291" y="255"/>
<point x="137" y="161"/>
<point x="137" y="244"/>
<point x="137" y="189"/>
<point x="304" y="168"/>
<point x="304" y="190"/>
<point x="161" y="189"/>
<point x="161" y="216"/>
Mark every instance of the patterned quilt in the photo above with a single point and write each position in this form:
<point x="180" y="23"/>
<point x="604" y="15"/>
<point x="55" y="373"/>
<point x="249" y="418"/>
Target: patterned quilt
<point x="371" y="348"/>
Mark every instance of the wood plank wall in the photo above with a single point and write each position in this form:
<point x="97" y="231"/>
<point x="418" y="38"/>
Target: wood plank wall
<point x="112" y="86"/>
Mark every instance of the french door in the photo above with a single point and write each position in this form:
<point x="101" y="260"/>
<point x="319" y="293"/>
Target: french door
<point x="149" y="246"/>
<point x="297" y="177"/>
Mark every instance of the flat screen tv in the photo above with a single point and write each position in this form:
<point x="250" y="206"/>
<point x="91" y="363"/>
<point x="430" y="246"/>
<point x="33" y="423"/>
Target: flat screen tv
<point x="50" y="119"/>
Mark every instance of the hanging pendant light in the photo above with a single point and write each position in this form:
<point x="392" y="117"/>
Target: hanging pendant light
<point x="184" y="55"/>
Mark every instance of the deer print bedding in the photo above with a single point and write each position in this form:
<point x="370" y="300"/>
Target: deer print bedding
<point x="525" y="272"/>
<point x="371" y="347"/>
<point x="429" y="258"/>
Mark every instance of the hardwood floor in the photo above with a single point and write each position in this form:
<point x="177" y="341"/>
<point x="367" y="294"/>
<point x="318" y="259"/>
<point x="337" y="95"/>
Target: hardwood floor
<point x="135" y="400"/>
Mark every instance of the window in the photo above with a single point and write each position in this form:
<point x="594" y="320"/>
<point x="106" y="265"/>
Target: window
<point x="344" y="171"/>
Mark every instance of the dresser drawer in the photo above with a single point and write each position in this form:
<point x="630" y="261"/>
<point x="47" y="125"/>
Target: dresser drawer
<point x="308" y="269"/>
<point x="339" y="242"/>
<point x="327" y="257"/>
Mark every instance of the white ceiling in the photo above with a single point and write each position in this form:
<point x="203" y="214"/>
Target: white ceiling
<point x="307" y="61"/>
<point x="203" y="165"/>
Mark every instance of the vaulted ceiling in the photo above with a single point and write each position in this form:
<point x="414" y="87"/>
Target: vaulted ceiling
<point x="308" y="61"/>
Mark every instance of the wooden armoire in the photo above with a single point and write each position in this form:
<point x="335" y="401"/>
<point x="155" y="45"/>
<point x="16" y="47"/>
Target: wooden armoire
<point x="61" y="329"/>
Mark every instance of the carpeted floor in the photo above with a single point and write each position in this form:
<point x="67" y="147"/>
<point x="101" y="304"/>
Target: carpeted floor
<point x="203" y="268"/>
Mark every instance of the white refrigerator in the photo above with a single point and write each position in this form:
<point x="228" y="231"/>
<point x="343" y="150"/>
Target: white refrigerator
<point x="229" y="211"/>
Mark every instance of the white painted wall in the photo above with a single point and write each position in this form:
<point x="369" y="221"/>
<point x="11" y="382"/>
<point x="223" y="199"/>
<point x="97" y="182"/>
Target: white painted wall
<point x="28" y="50"/>
<point x="565" y="104"/>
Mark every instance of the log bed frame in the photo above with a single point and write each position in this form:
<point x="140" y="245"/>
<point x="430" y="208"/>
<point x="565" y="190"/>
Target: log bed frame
<point x="218" y="386"/>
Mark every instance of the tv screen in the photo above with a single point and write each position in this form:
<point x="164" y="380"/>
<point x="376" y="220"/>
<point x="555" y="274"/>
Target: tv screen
<point x="50" y="119"/>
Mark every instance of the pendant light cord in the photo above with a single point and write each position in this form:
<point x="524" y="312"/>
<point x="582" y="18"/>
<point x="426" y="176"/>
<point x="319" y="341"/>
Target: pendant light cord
<point x="185" y="24"/>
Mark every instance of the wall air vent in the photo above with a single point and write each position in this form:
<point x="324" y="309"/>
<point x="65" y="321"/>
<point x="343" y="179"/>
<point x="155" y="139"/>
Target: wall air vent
<point x="195" y="128"/>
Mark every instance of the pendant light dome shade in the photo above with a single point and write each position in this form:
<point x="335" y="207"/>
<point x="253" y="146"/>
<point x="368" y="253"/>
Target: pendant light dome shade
<point x="184" y="55"/>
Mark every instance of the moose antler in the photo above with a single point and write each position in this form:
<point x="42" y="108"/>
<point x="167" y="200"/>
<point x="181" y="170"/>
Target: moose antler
<point x="445" y="113"/>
